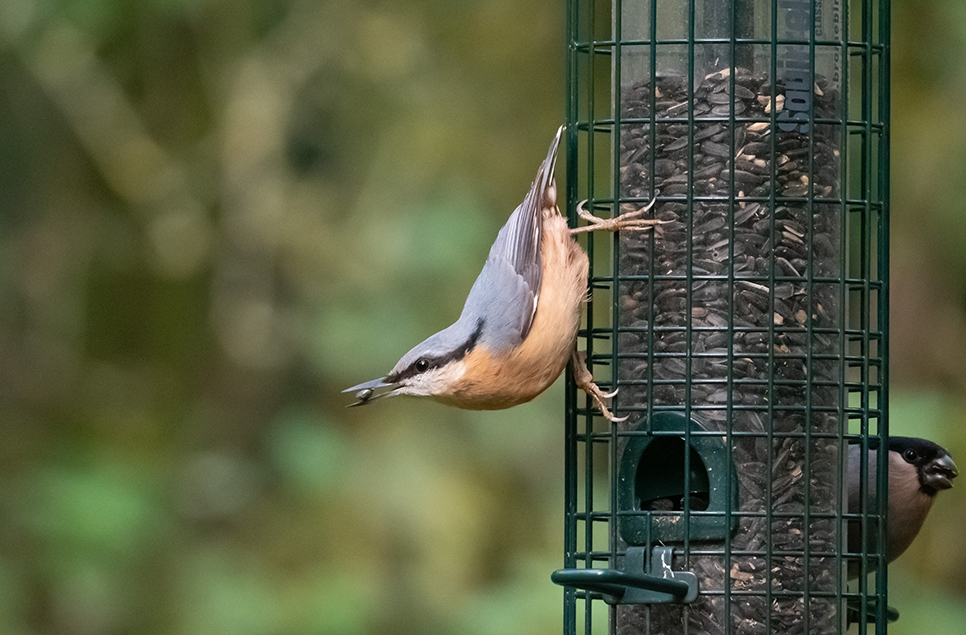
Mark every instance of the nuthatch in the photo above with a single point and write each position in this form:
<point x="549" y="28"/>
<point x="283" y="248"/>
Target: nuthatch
<point x="918" y="469"/>
<point x="519" y="325"/>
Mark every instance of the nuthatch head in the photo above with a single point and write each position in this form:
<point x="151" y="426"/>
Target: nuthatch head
<point x="918" y="470"/>
<point x="431" y="368"/>
<point x="519" y="325"/>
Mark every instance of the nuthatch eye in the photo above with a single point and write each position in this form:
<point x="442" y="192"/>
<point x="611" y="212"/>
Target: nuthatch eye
<point x="918" y="469"/>
<point x="519" y="325"/>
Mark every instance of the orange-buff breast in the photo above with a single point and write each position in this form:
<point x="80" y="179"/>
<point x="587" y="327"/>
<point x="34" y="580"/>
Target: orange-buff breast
<point x="493" y="381"/>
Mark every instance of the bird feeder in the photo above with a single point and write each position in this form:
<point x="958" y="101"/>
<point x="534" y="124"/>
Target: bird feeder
<point x="746" y="331"/>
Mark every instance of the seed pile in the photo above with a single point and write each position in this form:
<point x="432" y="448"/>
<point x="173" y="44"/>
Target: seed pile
<point x="739" y="304"/>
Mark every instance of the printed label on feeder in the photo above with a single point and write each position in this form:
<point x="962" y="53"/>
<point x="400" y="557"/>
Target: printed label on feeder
<point x="794" y="65"/>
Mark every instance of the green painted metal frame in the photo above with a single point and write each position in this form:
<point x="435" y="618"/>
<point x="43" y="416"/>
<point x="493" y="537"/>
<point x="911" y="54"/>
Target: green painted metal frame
<point x="592" y="119"/>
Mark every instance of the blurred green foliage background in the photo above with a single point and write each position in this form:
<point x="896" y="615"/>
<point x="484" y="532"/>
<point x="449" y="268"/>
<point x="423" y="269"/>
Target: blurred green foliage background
<point x="214" y="215"/>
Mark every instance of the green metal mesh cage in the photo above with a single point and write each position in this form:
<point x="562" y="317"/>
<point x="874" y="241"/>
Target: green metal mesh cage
<point x="746" y="332"/>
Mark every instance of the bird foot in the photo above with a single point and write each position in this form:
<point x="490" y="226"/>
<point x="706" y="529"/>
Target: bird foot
<point x="585" y="381"/>
<point x="628" y="221"/>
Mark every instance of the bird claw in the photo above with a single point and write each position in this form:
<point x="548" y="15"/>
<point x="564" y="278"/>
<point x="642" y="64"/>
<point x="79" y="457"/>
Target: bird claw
<point x="585" y="381"/>
<point x="628" y="221"/>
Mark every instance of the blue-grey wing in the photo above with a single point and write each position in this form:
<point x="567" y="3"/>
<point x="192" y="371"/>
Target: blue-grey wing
<point x="505" y="303"/>
<point x="518" y="243"/>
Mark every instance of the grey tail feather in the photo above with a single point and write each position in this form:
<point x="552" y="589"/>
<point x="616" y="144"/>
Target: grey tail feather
<point x="546" y="173"/>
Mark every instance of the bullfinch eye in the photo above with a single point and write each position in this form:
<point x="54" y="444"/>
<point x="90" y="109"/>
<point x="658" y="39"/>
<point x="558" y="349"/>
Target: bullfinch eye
<point x="910" y="455"/>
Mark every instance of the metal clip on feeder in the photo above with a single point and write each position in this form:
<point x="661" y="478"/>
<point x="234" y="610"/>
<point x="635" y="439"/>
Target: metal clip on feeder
<point x="656" y="583"/>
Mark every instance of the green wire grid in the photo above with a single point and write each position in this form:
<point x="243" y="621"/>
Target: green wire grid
<point x="597" y="62"/>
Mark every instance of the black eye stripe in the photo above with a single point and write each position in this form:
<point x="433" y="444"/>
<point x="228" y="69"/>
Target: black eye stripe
<point x="425" y="364"/>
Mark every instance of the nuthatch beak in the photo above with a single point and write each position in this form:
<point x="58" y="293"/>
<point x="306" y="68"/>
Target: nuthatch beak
<point x="367" y="391"/>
